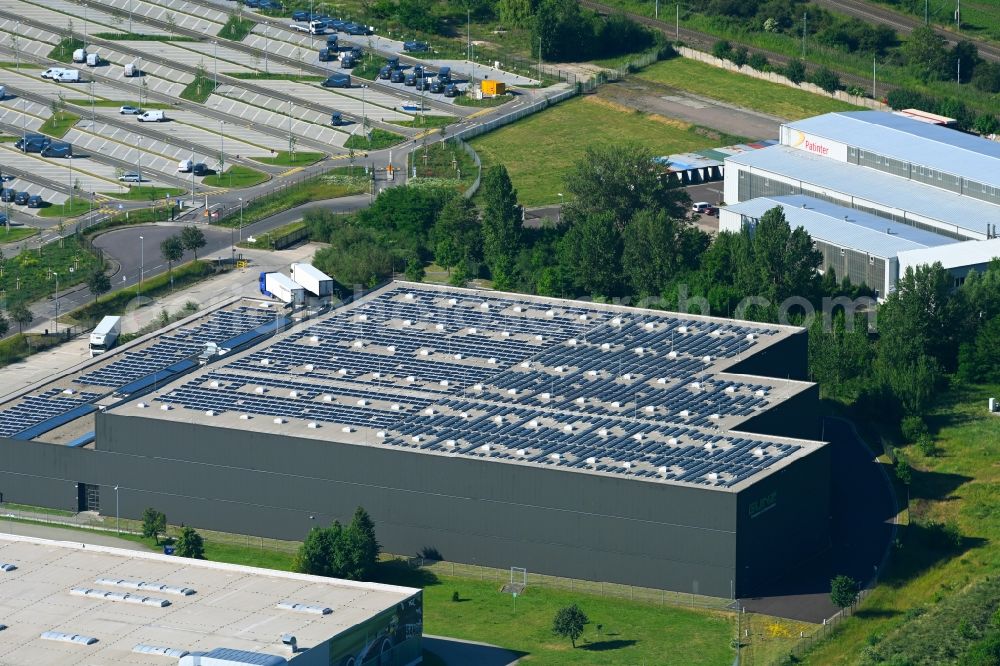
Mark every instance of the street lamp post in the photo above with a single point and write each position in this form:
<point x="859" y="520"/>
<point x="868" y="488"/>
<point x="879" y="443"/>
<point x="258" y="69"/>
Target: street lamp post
<point x="55" y="322"/>
<point x="138" y="158"/>
<point x="118" y="526"/>
<point x="559" y="212"/>
<point x="222" y="146"/>
<point x="241" y="219"/>
<point x="215" y="57"/>
<point x="70" y="158"/>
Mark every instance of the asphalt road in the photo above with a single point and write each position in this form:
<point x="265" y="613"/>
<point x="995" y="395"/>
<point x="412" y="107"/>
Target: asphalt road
<point x="863" y="509"/>
<point x="456" y="652"/>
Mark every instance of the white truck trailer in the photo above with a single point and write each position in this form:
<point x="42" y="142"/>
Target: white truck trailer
<point x="314" y="280"/>
<point x="105" y="335"/>
<point x="282" y="287"/>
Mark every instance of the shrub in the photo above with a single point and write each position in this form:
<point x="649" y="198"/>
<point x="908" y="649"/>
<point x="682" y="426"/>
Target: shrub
<point x="722" y="49"/>
<point x="759" y="62"/>
<point x="826" y="79"/>
<point x="912" y="427"/>
<point x="455" y="597"/>
<point x="740" y="56"/>
<point x="795" y="71"/>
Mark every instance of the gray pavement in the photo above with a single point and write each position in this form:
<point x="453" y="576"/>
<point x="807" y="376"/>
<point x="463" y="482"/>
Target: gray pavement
<point x="97" y="538"/>
<point x="457" y="652"/>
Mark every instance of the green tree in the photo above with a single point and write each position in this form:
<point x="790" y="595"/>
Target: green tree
<point x="515" y="13"/>
<point x="4" y="325"/>
<point x="590" y="253"/>
<point x="826" y="79"/>
<point x="620" y="180"/>
<point x="315" y="555"/>
<point x="98" y="283"/>
<point x="656" y="249"/>
<point x="457" y="236"/>
<point x="926" y="54"/>
<point x="190" y="544"/>
<point x="21" y="314"/>
<point x="795" y="71"/>
<point x="986" y="124"/>
<point x="362" y="545"/>
<point x="172" y="250"/>
<point x="414" y="270"/>
<point x="569" y="623"/>
<point x="154" y="523"/>
<point x="782" y="262"/>
<point x="561" y="30"/>
<point x="964" y="59"/>
<point x="843" y="591"/>
<point x="919" y="319"/>
<point x="193" y="239"/>
<point x="986" y="77"/>
<point x="501" y="225"/>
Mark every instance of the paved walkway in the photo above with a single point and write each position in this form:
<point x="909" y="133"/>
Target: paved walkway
<point x="457" y="652"/>
<point x="67" y="534"/>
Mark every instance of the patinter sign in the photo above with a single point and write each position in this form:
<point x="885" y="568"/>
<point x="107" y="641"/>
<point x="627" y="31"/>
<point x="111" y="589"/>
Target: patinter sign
<point x="816" y="145"/>
<point x="763" y="504"/>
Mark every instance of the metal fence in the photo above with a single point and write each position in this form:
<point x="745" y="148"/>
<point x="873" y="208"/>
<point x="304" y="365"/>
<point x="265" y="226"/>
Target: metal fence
<point x="470" y="151"/>
<point x="507" y="118"/>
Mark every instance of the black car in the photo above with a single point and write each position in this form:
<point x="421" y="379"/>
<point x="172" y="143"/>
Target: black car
<point x="451" y="90"/>
<point x="422" y="83"/>
<point x="355" y="29"/>
<point x="393" y="62"/>
<point x="418" y="70"/>
<point x="415" y="46"/>
<point x="21" y="198"/>
<point x="336" y="24"/>
<point x="347" y="61"/>
<point x="200" y="169"/>
<point x="357" y="52"/>
<point x="337" y="119"/>
<point x="398" y="76"/>
<point x="331" y="40"/>
<point x="300" y="16"/>
<point x="437" y="88"/>
<point x="326" y="55"/>
<point x="35" y="201"/>
<point x="410" y="80"/>
<point x="338" y="80"/>
<point x="385" y="73"/>
<point x="7" y="194"/>
<point x="270" y="4"/>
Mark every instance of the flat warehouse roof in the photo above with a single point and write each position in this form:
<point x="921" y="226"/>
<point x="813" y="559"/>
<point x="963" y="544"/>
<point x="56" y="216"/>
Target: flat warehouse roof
<point x="210" y="605"/>
<point x="506" y="377"/>
<point x="844" y="227"/>
<point x="961" y="213"/>
<point x="910" y="140"/>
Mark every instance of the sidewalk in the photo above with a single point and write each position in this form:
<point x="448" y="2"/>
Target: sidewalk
<point x="240" y="282"/>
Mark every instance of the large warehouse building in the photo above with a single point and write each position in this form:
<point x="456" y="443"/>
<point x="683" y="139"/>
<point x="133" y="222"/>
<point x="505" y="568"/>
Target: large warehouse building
<point x="576" y="439"/>
<point x="69" y="603"/>
<point x="905" y="193"/>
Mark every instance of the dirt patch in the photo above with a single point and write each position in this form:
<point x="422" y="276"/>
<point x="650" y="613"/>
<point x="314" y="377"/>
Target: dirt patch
<point x="622" y="108"/>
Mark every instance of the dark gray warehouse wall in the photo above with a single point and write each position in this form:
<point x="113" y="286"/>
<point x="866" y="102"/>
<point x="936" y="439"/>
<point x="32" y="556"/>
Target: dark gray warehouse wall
<point x="42" y="474"/>
<point x="790" y="508"/>
<point x="797" y="417"/>
<point x="785" y="359"/>
<point x="550" y="521"/>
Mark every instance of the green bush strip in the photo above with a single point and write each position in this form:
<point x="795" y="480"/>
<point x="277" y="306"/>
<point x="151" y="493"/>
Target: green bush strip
<point x="59" y="123"/>
<point x="377" y="140"/>
<point x="139" y="37"/>
<point x="332" y="185"/>
<point x="236" y="28"/>
<point x="200" y="88"/>
<point x="15" y="234"/>
<point x="20" y="346"/>
<point x="428" y="122"/>
<point x="264" y="241"/>
<point x="284" y="158"/>
<point x="146" y="193"/>
<point x="235" y="176"/>
<point x="63" y="51"/>
<point x="486" y="102"/>
<point x="28" y="275"/>
<point x="275" y="76"/>
<point x="78" y="205"/>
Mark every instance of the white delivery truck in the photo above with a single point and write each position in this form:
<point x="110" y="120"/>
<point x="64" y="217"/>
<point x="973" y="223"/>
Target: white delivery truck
<point x="282" y="287"/>
<point x="80" y="55"/>
<point x="93" y="60"/>
<point x="3" y="92"/>
<point x="151" y="117"/>
<point x="67" y="76"/>
<point x="314" y="280"/>
<point x="132" y="69"/>
<point x="105" y="335"/>
<point x="185" y="166"/>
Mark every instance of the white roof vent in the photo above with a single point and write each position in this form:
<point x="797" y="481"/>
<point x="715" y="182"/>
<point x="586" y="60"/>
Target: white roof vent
<point x="603" y="432"/>
<point x="313" y="338"/>
<point x="706" y="359"/>
<point x="539" y="337"/>
<point x="640" y="350"/>
<point x="518" y="308"/>
<point x="429" y="411"/>
<point x="583" y="317"/>
<point x="568" y="428"/>
<point x="327" y="397"/>
<point x="616" y="404"/>
<point x="209" y="412"/>
<point x="279" y="420"/>
<point x="638" y="436"/>
<point x="473" y="330"/>
<point x="591" y="460"/>
<point x="293" y="394"/>
<point x="391" y="349"/>
<point x="309" y="367"/>
<point x="606" y="346"/>
<point x="452" y="301"/>
<point x="730" y="389"/>
<point x="491" y="361"/>
<point x="141" y="405"/>
<point x="485" y="448"/>
<point x="555" y="456"/>
<point x="758" y="452"/>
<point x="444" y="382"/>
<point x="617" y="321"/>
<point x="358" y="344"/>
<point x="709" y="446"/>
<point x="571" y="342"/>
<point x="376" y="375"/>
<point x="142" y="648"/>
<point x="512" y="391"/>
<point x="627" y="375"/>
<point x="342" y="372"/>
<point x="661" y="380"/>
<point x="394" y="407"/>
<point x="760" y="393"/>
<point x="363" y="317"/>
<point x="362" y="403"/>
<point x="525" y="364"/>
<point x="417" y="438"/>
<point x="484" y="306"/>
<point x="696" y="385"/>
<point x="68" y="638"/>
<point x="265" y="361"/>
<point x="408" y="297"/>
<point x="591" y="373"/>
<point x="68" y="391"/>
<point x="672" y="441"/>
<point x="545" y="396"/>
<point x="244" y="417"/>
<point x="649" y="326"/>
<point x="581" y="400"/>
<point x="650" y="409"/>
<point x="713" y="476"/>
<point x="304" y="608"/>
<point x="684" y="412"/>
<point x="165" y="408"/>
<point x="560" y="368"/>
<point x="522" y="452"/>
<point x="410" y="379"/>
<point x="715" y="416"/>
<point x="662" y="470"/>
<point x="627" y="465"/>
<point x="498" y="419"/>
<point x="380" y="434"/>
<point x="449" y="442"/>
<point x="671" y="354"/>
<point x="477" y="387"/>
<point x="533" y="423"/>
<point x="347" y="429"/>
<point x="424" y="352"/>
<point x="214" y="384"/>
<point x="550" y="313"/>
<point x="682" y="329"/>
<point x="439" y="327"/>
<point x="407" y="322"/>
<point x="504" y="334"/>
<point x="260" y="390"/>
<point x="751" y="337"/>
<point x="313" y="425"/>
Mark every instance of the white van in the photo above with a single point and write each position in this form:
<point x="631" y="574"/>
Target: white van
<point x="93" y="60"/>
<point x="131" y="69"/>
<point x="151" y="117"/>
<point x="80" y="55"/>
<point x="52" y="72"/>
<point x="185" y="166"/>
<point x="67" y="76"/>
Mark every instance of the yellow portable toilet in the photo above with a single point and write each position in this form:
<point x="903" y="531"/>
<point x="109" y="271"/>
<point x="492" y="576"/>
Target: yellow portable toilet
<point x="491" y="87"/>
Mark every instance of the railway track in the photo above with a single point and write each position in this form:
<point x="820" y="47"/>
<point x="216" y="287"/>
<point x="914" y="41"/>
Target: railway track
<point x="704" y="42"/>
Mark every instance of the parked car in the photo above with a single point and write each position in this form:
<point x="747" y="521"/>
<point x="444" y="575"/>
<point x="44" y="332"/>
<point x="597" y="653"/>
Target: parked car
<point x="444" y="74"/>
<point x="57" y="149"/>
<point x="704" y="208"/>
<point x="418" y="70"/>
<point x="422" y="83"/>
<point x="185" y="166"/>
<point x="336" y="24"/>
<point x="302" y="15"/>
<point x="200" y="169"/>
<point x="451" y="90"/>
<point x="437" y="87"/>
<point x="398" y="76"/>
<point x="21" y="198"/>
<point x="326" y="55"/>
<point x="130" y="177"/>
<point x="270" y="4"/>
<point x="347" y="61"/>
<point x="415" y="46"/>
<point x="385" y="73"/>
<point x="252" y="4"/>
<point x="337" y="119"/>
<point x="338" y="80"/>
<point x="410" y="79"/>
<point x="392" y="62"/>
<point x="357" y="52"/>
<point x="331" y="40"/>
<point x="356" y="29"/>
<point x="151" y="117"/>
<point x="128" y="110"/>
<point x="7" y="194"/>
<point x="35" y="201"/>
<point x="32" y="143"/>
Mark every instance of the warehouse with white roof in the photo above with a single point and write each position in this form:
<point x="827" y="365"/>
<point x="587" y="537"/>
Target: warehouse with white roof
<point x="879" y="192"/>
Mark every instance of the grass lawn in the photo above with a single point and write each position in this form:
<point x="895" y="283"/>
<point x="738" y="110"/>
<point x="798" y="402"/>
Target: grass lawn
<point x="284" y="158"/>
<point x="79" y="206"/>
<point x="140" y="37"/>
<point x="740" y="90"/>
<point x="539" y="150"/>
<point x="339" y="182"/>
<point x="263" y="241"/>
<point x="58" y="124"/>
<point x="15" y="234"/>
<point x="28" y="275"/>
<point x="274" y="76"/>
<point x="63" y="51"/>
<point x="235" y="176"/>
<point x="378" y="140"/>
<point x="961" y="483"/>
<point x="236" y="28"/>
<point x="145" y="193"/>
<point x="199" y="89"/>
<point x="486" y="102"/>
<point x="426" y="121"/>
<point x="8" y="139"/>
<point x="440" y="160"/>
<point x="114" y="104"/>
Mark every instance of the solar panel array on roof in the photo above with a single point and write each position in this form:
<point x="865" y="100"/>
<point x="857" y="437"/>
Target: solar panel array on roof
<point x="33" y="415"/>
<point x="493" y="376"/>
